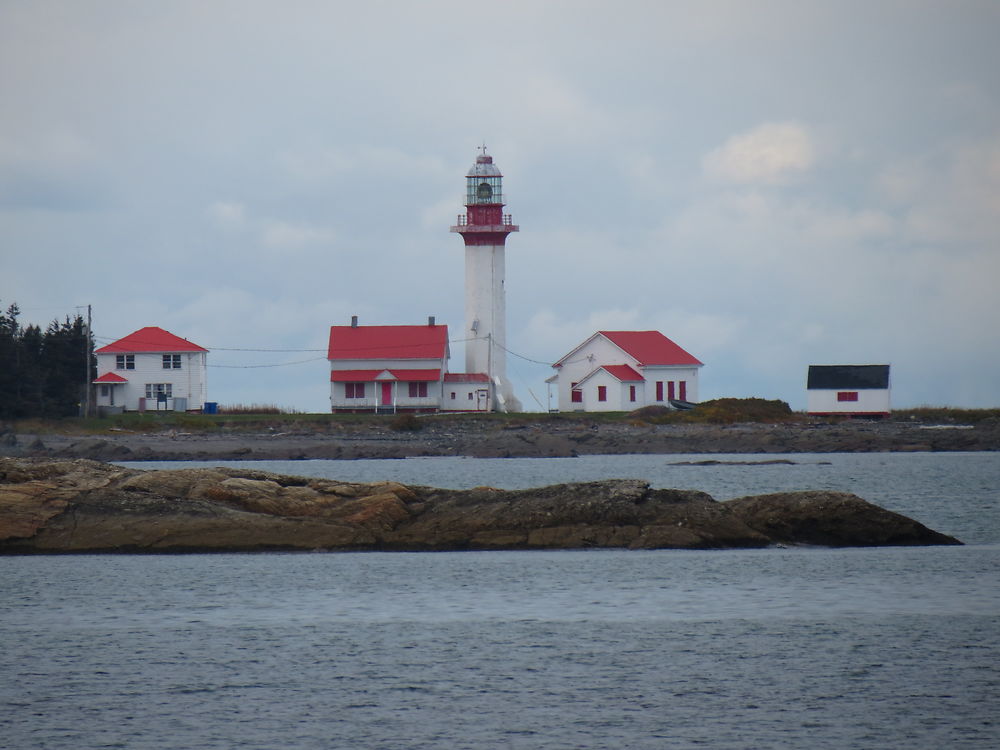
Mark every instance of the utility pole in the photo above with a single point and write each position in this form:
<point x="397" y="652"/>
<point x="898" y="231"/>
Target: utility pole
<point x="86" y="371"/>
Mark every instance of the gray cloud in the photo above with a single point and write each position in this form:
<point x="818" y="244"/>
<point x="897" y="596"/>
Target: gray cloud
<point x="771" y="187"/>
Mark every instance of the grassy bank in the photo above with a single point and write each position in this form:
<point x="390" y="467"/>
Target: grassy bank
<point x="718" y="411"/>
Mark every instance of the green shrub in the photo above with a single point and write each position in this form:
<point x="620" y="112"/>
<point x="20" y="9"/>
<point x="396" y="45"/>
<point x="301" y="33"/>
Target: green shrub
<point x="406" y="422"/>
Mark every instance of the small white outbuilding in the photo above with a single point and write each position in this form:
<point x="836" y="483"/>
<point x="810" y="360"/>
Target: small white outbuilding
<point x="848" y="390"/>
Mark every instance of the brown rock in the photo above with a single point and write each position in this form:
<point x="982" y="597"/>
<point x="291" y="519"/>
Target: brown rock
<point x="85" y="506"/>
<point x="832" y="519"/>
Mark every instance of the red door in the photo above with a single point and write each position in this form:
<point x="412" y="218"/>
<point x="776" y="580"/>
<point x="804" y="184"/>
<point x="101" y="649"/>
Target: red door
<point x="683" y="387"/>
<point x="386" y="394"/>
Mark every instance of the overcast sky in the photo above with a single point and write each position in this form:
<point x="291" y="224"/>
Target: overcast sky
<point x="770" y="184"/>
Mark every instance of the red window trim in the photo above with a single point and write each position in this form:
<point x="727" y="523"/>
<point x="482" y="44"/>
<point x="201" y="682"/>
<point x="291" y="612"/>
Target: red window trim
<point x="847" y="395"/>
<point x="575" y="394"/>
<point x="659" y="390"/>
<point x="354" y="390"/>
<point x="631" y="393"/>
<point x="602" y="393"/>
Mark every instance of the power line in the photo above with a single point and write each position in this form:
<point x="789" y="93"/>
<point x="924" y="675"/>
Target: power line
<point x="360" y="351"/>
<point x="277" y="364"/>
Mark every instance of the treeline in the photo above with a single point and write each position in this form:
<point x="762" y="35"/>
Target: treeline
<point x="42" y="371"/>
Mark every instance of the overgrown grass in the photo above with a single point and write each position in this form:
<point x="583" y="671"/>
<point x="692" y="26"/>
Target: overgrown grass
<point x="255" y="409"/>
<point x="944" y="415"/>
<point x="252" y="419"/>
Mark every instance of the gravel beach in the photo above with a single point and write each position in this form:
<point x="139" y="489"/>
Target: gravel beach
<point x="491" y="438"/>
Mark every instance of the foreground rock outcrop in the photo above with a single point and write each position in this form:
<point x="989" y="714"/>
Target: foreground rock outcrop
<point x="56" y="506"/>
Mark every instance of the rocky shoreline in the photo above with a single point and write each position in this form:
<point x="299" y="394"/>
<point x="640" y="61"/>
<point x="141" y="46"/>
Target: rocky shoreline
<point x="82" y="506"/>
<point x="498" y="439"/>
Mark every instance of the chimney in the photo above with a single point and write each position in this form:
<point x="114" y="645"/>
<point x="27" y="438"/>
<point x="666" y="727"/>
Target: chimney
<point x="430" y="320"/>
<point x="354" y="321"/>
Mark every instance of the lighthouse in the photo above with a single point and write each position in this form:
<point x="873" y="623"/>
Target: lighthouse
<point x="484" y="228"/>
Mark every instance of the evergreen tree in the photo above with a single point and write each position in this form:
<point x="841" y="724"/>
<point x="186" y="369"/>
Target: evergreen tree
<point x="9" y="361"/>
<point x="43" y="374"/>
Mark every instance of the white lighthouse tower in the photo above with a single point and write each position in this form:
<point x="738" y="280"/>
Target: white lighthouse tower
<point x="485" y="227"/>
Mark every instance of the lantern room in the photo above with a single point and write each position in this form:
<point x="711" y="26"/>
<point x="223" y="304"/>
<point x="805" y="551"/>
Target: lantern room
<point x="483" y="182"/>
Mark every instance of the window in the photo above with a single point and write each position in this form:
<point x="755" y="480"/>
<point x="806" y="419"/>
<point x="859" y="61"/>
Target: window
<point x="631" y="393"/>
<point x="418" y="390"/>
<point x="683" y="388"/>
<point x="659" y="390"/>
<point x="171" y="361"/>
<point x="575" y="394"/>
<point x="470" y="397"/>
<point x="602" y="393"/>
<point x="354" y="390"/>
<point x="453" y="395"/>
<point x="670" y="389"/>
<point x="847" y="395"/>
<point x="124" y="361"/>
<point x="159" y="390"/>
<point x="105" y="390"/>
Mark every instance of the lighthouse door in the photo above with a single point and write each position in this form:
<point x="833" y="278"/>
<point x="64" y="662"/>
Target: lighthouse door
<point x="482" y="399"/>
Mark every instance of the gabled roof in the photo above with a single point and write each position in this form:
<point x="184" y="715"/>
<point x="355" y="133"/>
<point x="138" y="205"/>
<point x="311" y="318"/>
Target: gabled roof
<point x="150" y="339"/>
<point x="367" y="376"/>
<point x="388" y="342"/>
<point x="110" y="377"/>
<point x="860" y="377"/>
<point x="622" y="372"/>
<point x="647" y="348"/>
<point x="650" y="348"/>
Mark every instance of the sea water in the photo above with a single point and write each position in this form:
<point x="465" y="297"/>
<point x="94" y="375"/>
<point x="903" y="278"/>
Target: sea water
<point x="852" y="648"/>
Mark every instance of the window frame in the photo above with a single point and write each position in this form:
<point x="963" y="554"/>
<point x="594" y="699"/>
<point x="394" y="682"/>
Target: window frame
<point x="153" y="390"/>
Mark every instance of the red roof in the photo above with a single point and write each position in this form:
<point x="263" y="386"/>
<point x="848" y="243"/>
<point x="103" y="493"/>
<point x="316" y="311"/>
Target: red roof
<point x="466" y="377"/>
<point x="150" y="339"/>
<point x="650" y="348"/>
<point x="417" y="375"/>
<point x="110" y="377"/>
<point x="388" y="342"/>
<point x="366" y="376"/>
<point x="622" y="372"/>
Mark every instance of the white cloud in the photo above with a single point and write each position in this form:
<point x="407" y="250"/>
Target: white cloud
<point x="227" y="214"/>
<point x="772" y="153"/>
<point x="327" y="164"/>
<point x="288" y="235"/>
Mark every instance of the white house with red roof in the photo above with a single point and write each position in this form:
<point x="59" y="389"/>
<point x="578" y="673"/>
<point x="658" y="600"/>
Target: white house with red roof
<point x="625" y="370"/>
<point x="399" y="368"/>
<point x="152" y="369"/>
